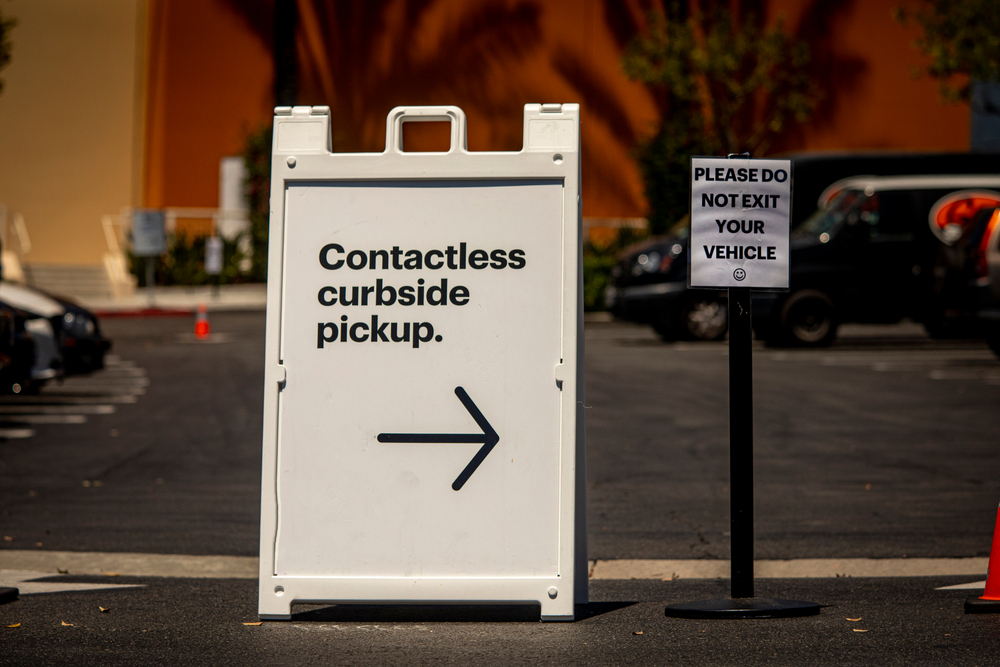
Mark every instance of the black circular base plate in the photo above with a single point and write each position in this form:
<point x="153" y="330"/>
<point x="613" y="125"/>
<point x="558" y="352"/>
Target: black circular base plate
<point x="8" y="594"/>
<point x="742" y="608"/>
<point x="977" y="605"/>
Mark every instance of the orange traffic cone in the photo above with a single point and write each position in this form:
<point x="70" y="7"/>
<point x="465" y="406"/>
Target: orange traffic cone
<point x="201" y="326"/>
<point x="989" y="601"/>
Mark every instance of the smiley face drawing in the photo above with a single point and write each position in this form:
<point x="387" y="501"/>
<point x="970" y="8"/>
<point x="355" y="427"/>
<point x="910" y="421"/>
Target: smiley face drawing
<point x="739" y="274"/>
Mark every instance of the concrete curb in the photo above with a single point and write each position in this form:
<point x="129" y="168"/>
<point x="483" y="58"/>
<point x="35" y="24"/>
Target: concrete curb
<point x="246" y="567"/>
<point x="181" y="300"/>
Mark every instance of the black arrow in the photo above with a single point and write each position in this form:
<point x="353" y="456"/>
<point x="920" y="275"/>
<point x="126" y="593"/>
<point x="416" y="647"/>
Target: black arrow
<point x="488" y="437"/>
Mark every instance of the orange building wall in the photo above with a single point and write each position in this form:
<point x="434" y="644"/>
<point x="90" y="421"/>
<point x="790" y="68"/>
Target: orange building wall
<point x="866" y="59"/>
<point x="362" y="68"/>
<point x="71" y="123"/>
<point x="210" y="80"/>
<point x="209" y="83"/>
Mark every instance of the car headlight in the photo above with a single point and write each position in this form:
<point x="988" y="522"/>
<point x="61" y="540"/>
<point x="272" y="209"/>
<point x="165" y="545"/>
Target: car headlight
<point x="646" y="263"/>
<point x="79" y="324"/>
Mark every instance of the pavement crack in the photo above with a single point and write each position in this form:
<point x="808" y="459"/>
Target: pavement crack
<point x="122" y="463"/>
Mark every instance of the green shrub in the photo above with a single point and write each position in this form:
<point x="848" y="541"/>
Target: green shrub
<point x="598" y="262"/>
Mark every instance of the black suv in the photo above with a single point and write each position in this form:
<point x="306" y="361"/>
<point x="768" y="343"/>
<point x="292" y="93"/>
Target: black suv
<point x="649" y="283"/>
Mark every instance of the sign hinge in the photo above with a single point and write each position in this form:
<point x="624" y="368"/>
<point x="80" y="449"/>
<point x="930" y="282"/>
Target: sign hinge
<point x="281" y="377"/>
<point x="560" y="374"/>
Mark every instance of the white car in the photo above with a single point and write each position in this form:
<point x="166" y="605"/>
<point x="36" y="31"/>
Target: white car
<point x="37" y="309"/>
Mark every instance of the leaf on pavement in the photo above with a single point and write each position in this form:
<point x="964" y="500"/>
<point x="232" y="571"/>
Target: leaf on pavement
<point x="104" y="610"/>
<point x="854" y="619"/>
<point x="14" y="625"/>
<point x="859" y="630"/>
<point x="112" y="574"/>
<point x="255" y="623"/>
<point x="637" y="632"/>
<point x="62" y="571"/>
<point x="65" y="623"/>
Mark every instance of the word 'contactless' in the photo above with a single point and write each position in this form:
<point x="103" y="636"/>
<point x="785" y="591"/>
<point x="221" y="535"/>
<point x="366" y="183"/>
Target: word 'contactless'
<point x="333" y="257"/>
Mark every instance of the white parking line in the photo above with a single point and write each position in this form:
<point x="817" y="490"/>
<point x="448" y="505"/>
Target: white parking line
<point x="96" y="389"/>
<point x="966" y="374"/>
<point x="964" y="587"/>
<point x="119" y="371"/>
<point x="16" y="433"/>
<point x="46" y="419"/>
<point x="67" y="398"/>
<point x="947" y="364"/>
<point x="106" y="382"/>
<point x="56" y="409"/>
<point x="213" y="338"/>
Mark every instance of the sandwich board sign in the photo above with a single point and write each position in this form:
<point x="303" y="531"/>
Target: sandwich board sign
<point x="740" y="212"/>
<point x="423" y="411"/>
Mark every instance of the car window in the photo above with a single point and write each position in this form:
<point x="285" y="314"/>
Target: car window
<point x="894" y="221"/>
<point x="829" y="220"/>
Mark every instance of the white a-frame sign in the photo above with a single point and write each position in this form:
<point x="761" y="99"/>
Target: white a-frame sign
<point x="423" y="397"/>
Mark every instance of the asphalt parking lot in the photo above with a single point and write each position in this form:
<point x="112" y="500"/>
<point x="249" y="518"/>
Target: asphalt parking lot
<point x="879" y="452"/>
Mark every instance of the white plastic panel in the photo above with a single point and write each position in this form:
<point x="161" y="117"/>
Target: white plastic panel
<point x="389" y="509"/>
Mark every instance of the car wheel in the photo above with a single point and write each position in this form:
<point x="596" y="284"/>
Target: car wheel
<point x="664" y="327"/>
<point x="768" y="332"/>
<point x="993" y="340"/>
<point x="705" y="319"/>
<point x="809" y="319"/>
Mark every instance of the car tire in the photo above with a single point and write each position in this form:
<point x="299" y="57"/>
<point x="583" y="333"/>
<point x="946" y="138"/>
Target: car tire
<point x="705" y="319"/>
<point x="665" y="328"/>
<point x="808" y="319"/>
<point x="993" y="340"/>
<point x="768" y="332"/>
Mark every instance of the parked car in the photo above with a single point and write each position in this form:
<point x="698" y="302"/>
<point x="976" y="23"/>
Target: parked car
<point x="38" y="312"/>
<point x="649" y="285"/>
<point x="983" y="253"/>
<point x="876" y="254"/>
<point x="68" y="338"/>
<point x="818" y="177"/>
<point x="642" y="290"/>
<point x="82" y="343"/>
<point x="17" y="352"/>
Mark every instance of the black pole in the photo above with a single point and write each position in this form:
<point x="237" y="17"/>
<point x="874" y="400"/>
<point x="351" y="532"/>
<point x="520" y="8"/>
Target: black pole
<point x="741" y="442"/>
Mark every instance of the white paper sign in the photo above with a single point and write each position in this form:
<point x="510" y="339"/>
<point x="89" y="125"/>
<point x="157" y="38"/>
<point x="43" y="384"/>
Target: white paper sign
<point x="740" y="212"/>
<point x="213" y="255"/>
<point x="148" y="239"/>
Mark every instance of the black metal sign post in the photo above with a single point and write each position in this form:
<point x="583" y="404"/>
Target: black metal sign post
<point x="740" y="443"/>
<point x="743" y="603"/>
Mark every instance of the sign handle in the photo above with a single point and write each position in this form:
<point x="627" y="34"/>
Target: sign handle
<point x="400" y="115"/>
